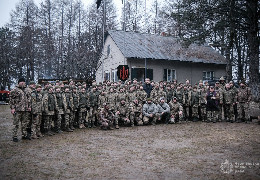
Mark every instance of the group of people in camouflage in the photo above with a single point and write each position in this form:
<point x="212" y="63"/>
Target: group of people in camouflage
<point x="55" y="108"/>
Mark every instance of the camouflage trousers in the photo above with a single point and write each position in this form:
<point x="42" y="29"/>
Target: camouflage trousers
<point x="229" y="112"/>
<point x="146" y="120"/>
<point x="186" y="112"/>
<point x="68" y="120"/>
<point x="29" y="119"/>
<point x="74" y="119"/>
<point x="203" y="112"/>
<point x="195" y="110"/>
<point x="212" y="116"/>
<point x="36" y="124"/>
<point x="175" y="117"/>
<point x="92" y="114"/>
<point x="136" y="117"/>
<point x="17" y="118"/>
<point x="57" y="121"/>
<point x="82" y="117"/>
<point x="123" y="119"/>
<point x="48" y="122"/>
<point x="243" y="111"/>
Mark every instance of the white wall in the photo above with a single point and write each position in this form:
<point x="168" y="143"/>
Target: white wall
<point x="112" y="61"/>
<point x="184" y="70"/>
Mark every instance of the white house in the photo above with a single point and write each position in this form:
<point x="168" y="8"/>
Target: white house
<point x="165" y="58"/>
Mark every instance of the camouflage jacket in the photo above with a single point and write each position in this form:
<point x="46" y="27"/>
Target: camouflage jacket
<point x="20" y="100"/>
<point x="243" y="95"/>
<point x="141" y="94"/>
<point x="69" y="102"/>
<point x="101" y="100"/>
<point x="111" y="100"/>
<point x="186" y="97"/>
<point x="83" y="102"/>
<point x="228" y="97"/>
<point x="75" y="97"/>
<point x="61" y="102"/>
<point x="49" y="104"/>
<point x="194" y="98"/>
<point x="37" y="103"/>
<point x="179" y="95"/>
<point x="175" y="107"/>
<point x="136" y="108"/>
<point x="93" y="99"/>
<point x="124" y="110"/>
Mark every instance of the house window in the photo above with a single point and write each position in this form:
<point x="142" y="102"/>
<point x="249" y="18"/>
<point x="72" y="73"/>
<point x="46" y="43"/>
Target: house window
<point x="208" y="75"/>
<point x="108" y="50"/>
<point x="169" y="75"/>
<point x="114" y="77"/>
<point x="107" y="76"/>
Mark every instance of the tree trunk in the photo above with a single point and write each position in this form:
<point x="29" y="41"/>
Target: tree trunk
<point x="253" y="46"/>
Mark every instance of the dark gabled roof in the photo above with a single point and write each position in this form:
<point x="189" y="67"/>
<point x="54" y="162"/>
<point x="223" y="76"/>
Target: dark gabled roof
<point x="137" y="45"/>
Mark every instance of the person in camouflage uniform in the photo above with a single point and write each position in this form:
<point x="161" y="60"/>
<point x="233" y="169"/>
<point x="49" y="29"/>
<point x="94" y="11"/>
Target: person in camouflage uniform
<point x="176" y="111"/>
<point x="106" y="118"/>
<point x="149" y="112"/>
<point x="212" y="105"/>
<point x="122" y="95"/>
<point x="179" y="94"/>
<point x="61" y="106"/>
<point x="122" y="114"/>
<point x="20" y="104"/>
<point x="186" y="103"/>
<point x="37" y="106"/>
<point x="228" y="100"/>
<point x="163" y="111"/>
<point x="111" y="99"/>
<point x="141" y="94"/>
<point x="28" y="91"/>
<point x="221" y="89"/>
<point x="235" y="91"/>
<point x="156" y="93"/>
<point x="75" y="97"/>
<point x="202" y="103"/>
<point x="136" y="114"/>
<point x="131" y="94"/>
<point x="49" y="107"/>
<point x="194" y="102"/>
<point x="93" y="104"/>
<point x="169" y="93"/>
<point x="83" y="103"/>
<point x="243" y="99"/>
<point x="102" y="99"/>
<point x="68" y="110"/>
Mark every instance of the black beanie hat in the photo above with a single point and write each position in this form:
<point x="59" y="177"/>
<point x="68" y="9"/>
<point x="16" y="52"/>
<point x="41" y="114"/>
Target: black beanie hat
<point x="21" y="80"/>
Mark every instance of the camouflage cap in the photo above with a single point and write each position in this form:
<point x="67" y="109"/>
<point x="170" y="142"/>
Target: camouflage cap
<point x="78" y="84"/>
<point x="38" y="86"/>
<point x="32" y="82"/>
<point x="222" y="79"/>
<point x="149" y="99"/>
<point x="57" y="87"/>
<point x="66" y="86"/>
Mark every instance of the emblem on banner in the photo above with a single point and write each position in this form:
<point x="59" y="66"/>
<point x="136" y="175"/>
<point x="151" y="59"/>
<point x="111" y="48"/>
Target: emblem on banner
<point x="123" y="72"/>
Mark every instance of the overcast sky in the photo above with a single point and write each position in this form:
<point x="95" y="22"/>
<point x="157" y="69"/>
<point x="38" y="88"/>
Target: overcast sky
<point x="6" y="6"/>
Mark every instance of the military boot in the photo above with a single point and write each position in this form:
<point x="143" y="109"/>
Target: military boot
<point x="89" y="124"/>
<point x="15" y="139"/>
<point x="34" y="136"/>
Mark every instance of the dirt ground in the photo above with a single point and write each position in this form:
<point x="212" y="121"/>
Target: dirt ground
<point x="192" y="150"/>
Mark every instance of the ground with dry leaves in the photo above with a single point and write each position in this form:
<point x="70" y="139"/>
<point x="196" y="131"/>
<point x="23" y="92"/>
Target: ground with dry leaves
<point x="180" y="151"/>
